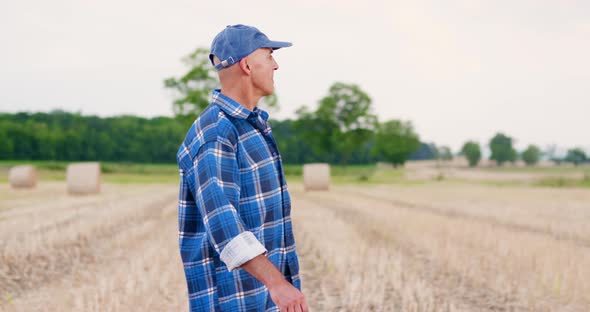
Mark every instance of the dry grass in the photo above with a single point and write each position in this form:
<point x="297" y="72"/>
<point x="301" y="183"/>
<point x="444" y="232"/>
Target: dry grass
<point x="111" y="252"/>
<point x="431" y="247"/>
<point x="425" y="247"/>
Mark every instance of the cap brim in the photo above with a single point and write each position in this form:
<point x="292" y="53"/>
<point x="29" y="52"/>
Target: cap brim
<point x="277" y="44"/>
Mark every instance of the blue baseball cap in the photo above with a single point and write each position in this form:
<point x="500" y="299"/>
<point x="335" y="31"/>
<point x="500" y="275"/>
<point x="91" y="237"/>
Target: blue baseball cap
<point x="236" y="42"/>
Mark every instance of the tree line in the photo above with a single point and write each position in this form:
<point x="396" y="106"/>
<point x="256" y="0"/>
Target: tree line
<point x="502" y="152"/>
<point x="66" y="136"/>
<point x="60" y="135"/>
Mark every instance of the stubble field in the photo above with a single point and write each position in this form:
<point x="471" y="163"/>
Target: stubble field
<point x="432" y="246"/>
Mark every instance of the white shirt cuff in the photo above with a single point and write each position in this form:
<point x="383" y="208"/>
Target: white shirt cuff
<point x="240" y="250"/>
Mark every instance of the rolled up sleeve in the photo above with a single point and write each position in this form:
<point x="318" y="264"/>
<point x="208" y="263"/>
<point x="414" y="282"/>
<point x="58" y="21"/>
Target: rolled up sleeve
<point x="217" y="192"/>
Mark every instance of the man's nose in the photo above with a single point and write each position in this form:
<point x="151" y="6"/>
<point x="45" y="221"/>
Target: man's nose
<point x="276" y="65"/>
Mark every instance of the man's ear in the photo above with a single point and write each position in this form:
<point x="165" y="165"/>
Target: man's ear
<point x="244" y="66"/>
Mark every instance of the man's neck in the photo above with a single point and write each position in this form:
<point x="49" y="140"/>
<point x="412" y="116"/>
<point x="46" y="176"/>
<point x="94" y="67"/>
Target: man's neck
<point x="244" y="96"/>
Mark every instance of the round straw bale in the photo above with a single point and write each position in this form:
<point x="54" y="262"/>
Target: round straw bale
<point x="316" y="177"/>
<point x="83" y="178"/>
<point x="23" y="176"/>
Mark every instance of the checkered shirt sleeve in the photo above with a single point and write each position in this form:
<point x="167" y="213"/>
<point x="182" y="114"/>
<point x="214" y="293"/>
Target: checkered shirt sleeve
<point x="217" y="196"/>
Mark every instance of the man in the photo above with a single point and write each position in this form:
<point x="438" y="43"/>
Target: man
<point x="235" y="233"/>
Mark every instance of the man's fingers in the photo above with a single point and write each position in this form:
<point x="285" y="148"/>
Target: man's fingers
<point x="304" y="307"/>
<point x="298" y="308"/>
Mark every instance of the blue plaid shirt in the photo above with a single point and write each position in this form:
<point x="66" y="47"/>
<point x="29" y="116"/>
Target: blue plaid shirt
<point x="233" y="206"/>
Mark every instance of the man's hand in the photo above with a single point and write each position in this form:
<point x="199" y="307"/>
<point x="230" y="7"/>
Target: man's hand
<point x="283" y="294"/>
<point x="287" y="298"/>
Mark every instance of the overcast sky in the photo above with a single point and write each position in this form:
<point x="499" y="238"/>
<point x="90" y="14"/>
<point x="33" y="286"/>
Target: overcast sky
<point x="458" y="70"/>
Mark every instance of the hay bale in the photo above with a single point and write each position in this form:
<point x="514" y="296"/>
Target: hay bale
<point x="23" y="176"/>
<point x="316" y="177"/>
<point x="83" y="178"/>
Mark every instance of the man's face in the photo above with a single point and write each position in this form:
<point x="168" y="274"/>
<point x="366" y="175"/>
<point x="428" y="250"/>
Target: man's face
<point x="262" y="64"/>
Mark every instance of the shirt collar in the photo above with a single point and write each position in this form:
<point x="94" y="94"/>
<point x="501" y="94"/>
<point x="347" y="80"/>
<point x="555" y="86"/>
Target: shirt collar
<point x="234" y="109"/>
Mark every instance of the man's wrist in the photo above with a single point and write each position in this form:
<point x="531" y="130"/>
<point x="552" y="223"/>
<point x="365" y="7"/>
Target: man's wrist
<point x="274" y="280"/>
<point x="264" y="271"/>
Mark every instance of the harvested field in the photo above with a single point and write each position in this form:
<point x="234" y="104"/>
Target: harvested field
<point x="449" y="248"/>
<point x="425" y="247"/>
<point x="111" y="252"/>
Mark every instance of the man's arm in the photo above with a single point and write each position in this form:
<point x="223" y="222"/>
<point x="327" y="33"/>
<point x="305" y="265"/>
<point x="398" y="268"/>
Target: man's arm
<point x="216" y="191"/>
<point x="283" y="294"/>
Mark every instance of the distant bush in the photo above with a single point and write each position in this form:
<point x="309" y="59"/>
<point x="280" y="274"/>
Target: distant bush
<point x="293" y="170"/>
<point x="53" y="165"/>
<point x="472" y="152"/>
<point x="531" y="155"/>
<point x="502" y="150"/>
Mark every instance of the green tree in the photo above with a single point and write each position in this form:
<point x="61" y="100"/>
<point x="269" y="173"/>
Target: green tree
<point x="502" y="150"/>
<point x="531" y="155"/>
<point x="194" y="88"/>
<point x="347" y="111"/>
<point x="320" y="135"/>
<point x="576" y="156"/>
<point x="472" y="152"/>
<point x="395" y="141"/>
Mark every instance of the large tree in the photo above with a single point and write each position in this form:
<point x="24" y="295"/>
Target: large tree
<point x="343" y="121"/>
<point x="531" y="155"/>
<point x="395" y="141"/>
<point x="472" y="152"/>
<point x="502" y="150"/>
<point x="319" y="135"/>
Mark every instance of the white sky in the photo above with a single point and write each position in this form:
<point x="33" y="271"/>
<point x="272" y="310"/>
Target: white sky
<point x="460" y="69"/>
